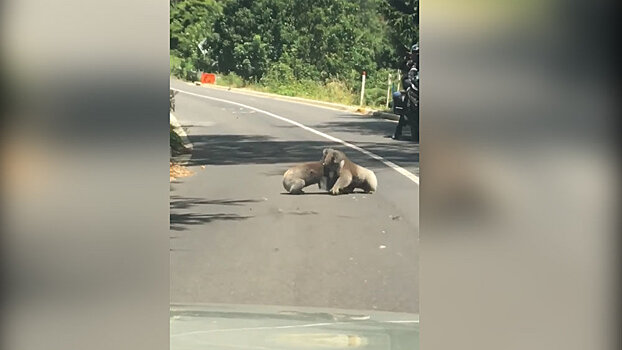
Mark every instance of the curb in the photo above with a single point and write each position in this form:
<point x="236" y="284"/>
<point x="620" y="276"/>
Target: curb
<point x="385" y="115"/>
<point x="180" y="131"/>
<point x="330" y="105"/>
<point x="184" y="157"/>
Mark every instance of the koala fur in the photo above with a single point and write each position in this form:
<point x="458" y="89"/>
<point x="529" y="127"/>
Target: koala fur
<point x="350" y="175"/>
<point x="306" y="174"/>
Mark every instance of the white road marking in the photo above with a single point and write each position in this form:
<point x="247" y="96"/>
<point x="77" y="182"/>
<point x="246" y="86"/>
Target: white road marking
<point x="254" y="328"/>
<point x="403" y="321"/>
<point x="414" y="178"/>
<point x="246" y="329"/>
<point x="342" y="108"/>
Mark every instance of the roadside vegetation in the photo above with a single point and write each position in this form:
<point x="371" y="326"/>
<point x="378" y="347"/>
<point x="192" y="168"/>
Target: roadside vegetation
<point x="176" y="143"/>
<point x="176" y="146"/>
<point x="311" y="49"/>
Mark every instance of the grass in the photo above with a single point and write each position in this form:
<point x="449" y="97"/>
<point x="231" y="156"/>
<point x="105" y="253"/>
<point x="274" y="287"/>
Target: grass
<point x="280" y="80"/>
<point x="231" y="80"/>
<point x="334" y="91"/>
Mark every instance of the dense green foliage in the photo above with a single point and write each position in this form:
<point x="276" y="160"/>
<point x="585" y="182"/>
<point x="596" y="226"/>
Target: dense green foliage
<point x="304" y="48"/>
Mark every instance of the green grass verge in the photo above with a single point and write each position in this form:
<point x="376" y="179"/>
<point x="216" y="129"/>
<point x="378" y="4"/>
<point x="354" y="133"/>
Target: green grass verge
<point x="333" y="91"/>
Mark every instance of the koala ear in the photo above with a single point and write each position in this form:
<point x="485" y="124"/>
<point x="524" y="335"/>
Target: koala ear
<point x="325" y="151"/>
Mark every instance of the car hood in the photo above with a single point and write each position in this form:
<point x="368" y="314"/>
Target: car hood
<point x="274" y="327"/>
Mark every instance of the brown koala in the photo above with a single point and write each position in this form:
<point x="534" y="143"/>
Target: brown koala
<point x="350" y="175"/>
<point x="306" y="174"/>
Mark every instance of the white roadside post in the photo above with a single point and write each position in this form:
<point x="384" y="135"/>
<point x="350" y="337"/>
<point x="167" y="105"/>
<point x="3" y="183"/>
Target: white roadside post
<point x="363" y="89"/>
<point x="388" y="91"/>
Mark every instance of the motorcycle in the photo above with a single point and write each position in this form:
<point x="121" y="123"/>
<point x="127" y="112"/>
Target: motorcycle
<point x="407" y="106"/>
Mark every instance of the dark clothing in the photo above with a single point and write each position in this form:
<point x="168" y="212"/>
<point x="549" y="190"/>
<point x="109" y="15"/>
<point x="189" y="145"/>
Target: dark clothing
<point x="413" y="120"/>
<point x="411" y="80"/>
<point x="408" y="102"/>
<point x="399" y="127"/>
<point x="398" y="102"/>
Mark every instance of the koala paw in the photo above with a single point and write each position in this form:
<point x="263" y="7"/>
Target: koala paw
<point x="334" y="191"/>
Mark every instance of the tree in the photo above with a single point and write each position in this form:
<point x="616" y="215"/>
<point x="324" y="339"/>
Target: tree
<point x="191" y="23"/>
<point x="249" y="36"/>
<point x="403" y="19"/>
<point x="292" y="41"/>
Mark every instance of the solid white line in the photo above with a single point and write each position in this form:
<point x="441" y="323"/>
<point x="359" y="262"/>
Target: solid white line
<point x="414" y="178"/>
<point x="180" y="131"/>
<point x="254" y="328"/>
<point x="341" y="108"/>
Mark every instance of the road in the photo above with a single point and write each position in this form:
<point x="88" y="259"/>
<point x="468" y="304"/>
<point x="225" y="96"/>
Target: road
<point x="237" y="238"/>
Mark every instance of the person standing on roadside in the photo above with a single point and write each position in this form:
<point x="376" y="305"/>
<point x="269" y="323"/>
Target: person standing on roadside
<point x="410" y="82"/>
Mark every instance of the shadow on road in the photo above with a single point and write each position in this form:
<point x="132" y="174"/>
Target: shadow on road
<point x="306" y="193"/>
<point x="364" y="125"/>
<point x="404" y="154"/>
<point x="179" y="220"/>
<point x="178" y="202"/>
<point x="253" y="149"/>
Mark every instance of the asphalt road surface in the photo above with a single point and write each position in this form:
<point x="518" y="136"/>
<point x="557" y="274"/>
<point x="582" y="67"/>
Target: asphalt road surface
<point x="237" y="238"/>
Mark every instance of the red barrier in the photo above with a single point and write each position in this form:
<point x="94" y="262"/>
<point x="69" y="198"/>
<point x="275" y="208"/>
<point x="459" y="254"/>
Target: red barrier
<point x="208" y="78"/>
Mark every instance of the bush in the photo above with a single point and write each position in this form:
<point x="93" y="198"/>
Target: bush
<point x="231" y="79"/>
<point x="376" y="87"/>
<point x="376" y="97"/>
<point x="183" y="68"/>
<point x="339" y="91"/>
<point x="281" y="82"/>
<point x="279" y="76"/>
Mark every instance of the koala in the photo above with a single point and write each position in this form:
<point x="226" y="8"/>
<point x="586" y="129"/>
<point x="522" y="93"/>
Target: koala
<point x="349" y="175"/>
<point x="306" y="174"/>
